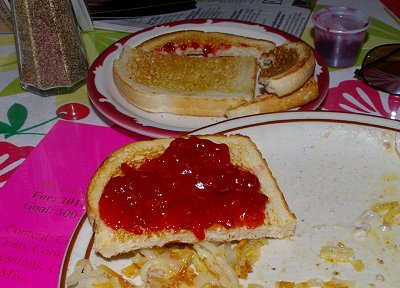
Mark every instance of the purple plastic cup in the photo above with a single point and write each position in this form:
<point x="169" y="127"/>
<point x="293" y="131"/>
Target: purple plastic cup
<point x="339" y="34"/>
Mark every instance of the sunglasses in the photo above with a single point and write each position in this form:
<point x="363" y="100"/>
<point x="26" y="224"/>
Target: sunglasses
<point x="381" y="68"/>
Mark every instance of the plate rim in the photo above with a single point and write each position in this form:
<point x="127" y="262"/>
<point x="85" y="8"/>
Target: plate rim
<point x="129" y="122"/>
<point x="301" y="116"/>
<point x="345" y="118"/>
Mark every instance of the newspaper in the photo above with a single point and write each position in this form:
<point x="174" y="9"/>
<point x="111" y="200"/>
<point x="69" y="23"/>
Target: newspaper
<point x="290" y="16"/>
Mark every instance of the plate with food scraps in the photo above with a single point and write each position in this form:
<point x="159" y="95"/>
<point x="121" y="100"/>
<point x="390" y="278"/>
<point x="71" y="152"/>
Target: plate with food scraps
<point x="106" y="98"/>
<point x="340" y="175"/>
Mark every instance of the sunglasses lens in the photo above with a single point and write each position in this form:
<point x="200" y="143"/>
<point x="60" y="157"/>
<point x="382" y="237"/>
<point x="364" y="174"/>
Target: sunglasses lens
<point x="381" y="68"/>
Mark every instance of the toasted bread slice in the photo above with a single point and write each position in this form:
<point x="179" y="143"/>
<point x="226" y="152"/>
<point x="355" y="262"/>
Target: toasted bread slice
<point x="286" y="68"/>
<point x="199" y="86"/>
<point x="268" y="103"/>
<point x="279" y="221"/>
<point x="193" y="42"/>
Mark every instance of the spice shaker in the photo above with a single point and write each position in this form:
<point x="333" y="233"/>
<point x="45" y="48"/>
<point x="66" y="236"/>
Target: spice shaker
<point x="51" y="59"/>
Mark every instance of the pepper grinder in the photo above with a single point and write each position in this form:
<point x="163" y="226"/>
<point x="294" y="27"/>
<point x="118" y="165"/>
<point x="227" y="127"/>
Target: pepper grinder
<point x="51" y="59"/>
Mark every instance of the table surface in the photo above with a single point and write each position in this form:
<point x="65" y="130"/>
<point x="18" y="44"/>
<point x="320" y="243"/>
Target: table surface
<point x="26" y="119"/>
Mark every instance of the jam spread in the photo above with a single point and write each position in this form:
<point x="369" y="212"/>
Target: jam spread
<point x="192" y="186"/>
<point x="208" y="49"/>
<point x="168" y="48"/>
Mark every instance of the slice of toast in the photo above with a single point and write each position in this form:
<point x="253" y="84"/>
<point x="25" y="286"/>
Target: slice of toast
<point x="198" y="86"/>
<point x="279" y="221"/>
<point x="193" y="42"/>
<point x="286" y="68"/>
<point x="268" y="103"/>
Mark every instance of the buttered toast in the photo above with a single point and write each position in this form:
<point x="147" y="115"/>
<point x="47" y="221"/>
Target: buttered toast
<point x="277" y="221"/>
<point x="199" y="86"/>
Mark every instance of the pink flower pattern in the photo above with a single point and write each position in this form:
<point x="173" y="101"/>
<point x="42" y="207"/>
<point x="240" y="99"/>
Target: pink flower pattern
<point x="356" y="97"/>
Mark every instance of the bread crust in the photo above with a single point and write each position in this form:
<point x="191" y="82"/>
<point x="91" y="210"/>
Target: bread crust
<point x="279" y="222"/>
<point x="268" y="103"/>
<point x="286" y="68"/>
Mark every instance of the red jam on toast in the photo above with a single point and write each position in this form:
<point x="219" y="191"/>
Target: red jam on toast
<point x="192" y="186"/>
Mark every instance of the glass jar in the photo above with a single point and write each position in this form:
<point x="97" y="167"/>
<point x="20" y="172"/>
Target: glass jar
<point x="51" y="59"/>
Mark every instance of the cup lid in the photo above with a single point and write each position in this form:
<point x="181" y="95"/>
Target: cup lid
<point x="343" y="20"/>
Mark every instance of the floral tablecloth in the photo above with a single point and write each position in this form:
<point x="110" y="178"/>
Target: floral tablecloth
<point x="347" y="93"/>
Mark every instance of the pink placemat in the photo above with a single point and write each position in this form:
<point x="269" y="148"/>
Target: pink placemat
<point x="44" y="199"/>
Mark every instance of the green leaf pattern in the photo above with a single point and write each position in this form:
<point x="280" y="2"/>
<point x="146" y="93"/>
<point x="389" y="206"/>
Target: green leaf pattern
<point x="17" y="115"/>
<point x="5" y="128"/>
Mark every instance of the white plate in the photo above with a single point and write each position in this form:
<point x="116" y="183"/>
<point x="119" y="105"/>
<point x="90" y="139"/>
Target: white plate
<point x="107" y="99"/>
<point x="331" y="167"/>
